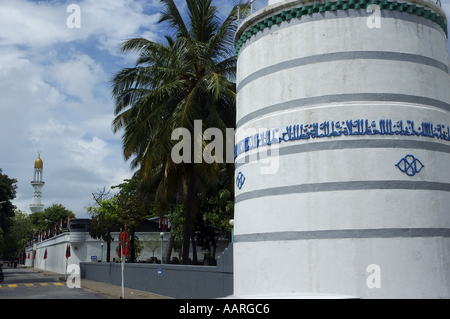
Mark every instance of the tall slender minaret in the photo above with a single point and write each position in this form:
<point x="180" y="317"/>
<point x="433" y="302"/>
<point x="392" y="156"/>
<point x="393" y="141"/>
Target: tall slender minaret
<point x="37" y="184"/>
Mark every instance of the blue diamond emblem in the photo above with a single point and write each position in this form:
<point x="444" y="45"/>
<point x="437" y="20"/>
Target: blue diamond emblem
<point x="240" y="180"/>
<point x="410" y="165"/>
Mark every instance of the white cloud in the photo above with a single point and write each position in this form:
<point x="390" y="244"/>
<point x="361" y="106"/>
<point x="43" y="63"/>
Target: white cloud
<point x="40" y="24"/>
<point x="79" y="76"/>
<point x="106" y="19"/>
<point x="56" y="95"/>
<point x="31" y="23"/>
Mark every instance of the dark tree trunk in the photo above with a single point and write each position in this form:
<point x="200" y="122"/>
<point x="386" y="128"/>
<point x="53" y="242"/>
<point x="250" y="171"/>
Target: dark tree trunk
<point x="194" y="248"/>
<point x="168" y="249"/>
<point x="189" y="208"/>
<point x="169" y="246"/>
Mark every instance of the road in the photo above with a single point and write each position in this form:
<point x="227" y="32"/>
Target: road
<point x="22" y="283"/>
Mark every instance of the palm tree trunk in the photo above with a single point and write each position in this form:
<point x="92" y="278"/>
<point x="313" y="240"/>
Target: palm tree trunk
<point x="168" y="249"/>
<point x="188" y="221"/>
<point x="194" y="248"/>
<point x="169" y="246"/>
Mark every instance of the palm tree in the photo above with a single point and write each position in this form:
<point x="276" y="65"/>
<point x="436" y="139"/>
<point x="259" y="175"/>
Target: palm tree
<point x="190" y="77"/>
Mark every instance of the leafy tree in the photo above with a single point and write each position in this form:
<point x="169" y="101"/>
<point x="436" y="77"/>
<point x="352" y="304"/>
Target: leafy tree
<point x="104" y="219"/>
<point x="2" y="242"/>
<point x="38" y="220"/>
<point x="138" y="246"/>
<point x="127" y="208"/>
<point x="7" y="194"/>
<point x="177" y="219"/>
<point x="49" y="216"/>
<point x="22" y="231"/>
<point x="215" y="221"/>
<point x="172" y="85"/>
<point x="133" y="207"/>
<point x="57" y="212"/>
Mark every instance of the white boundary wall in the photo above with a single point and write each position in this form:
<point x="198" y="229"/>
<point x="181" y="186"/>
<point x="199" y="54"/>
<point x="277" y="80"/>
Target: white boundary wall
<point x="87" y="247"/>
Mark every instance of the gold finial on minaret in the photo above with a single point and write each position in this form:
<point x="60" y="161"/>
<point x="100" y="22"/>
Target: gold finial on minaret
<point x="38" y="163"/>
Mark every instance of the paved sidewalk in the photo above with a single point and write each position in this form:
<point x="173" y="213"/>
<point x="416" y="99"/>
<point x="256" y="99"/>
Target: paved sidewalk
<point x="107" y="290"/>
<point x="115" y="292"/>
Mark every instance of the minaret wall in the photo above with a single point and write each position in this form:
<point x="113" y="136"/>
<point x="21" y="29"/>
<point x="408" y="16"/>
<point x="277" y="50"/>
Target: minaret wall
<point x="356" y="121"/>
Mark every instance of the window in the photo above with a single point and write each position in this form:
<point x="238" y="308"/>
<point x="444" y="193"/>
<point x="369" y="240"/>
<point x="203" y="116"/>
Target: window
<point x="77" y="226"/>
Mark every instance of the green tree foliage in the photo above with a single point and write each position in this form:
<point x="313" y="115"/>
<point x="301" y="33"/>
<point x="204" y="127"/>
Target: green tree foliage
<point x="133" y="207"/>
<point x="104" y="220"/>
<point x="177" y="219"/>
<point x="22" y="231"/>
<point x="7" y="194"/>
<point x="46" y="219"/>
<point x="127" y="208"/>
<point x="2" y="242"/>
<point x="131" y="203"/>
<point x="214" y="222"/>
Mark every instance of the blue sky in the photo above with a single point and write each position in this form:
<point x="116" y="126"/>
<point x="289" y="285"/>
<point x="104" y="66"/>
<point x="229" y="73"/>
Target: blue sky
<point x="55" y="93"/>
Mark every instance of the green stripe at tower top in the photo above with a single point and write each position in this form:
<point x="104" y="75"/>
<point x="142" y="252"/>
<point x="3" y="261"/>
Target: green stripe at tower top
<point x="340" y="5"/>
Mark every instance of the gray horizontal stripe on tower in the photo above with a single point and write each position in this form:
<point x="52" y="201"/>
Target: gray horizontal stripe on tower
<point x="352" y="13"/>
<point x="345" y="234"/>
<point x="342" y="186"/>
<point x="342" y="56"/>
<point x="341" y="98"/>
<point x="346" y="144"/>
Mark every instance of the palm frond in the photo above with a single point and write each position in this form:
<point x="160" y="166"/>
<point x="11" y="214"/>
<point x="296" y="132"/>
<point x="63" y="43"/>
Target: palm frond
<point x="171" y="15"/>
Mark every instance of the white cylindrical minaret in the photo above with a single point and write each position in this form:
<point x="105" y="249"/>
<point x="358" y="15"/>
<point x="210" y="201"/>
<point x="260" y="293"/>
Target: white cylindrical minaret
<point x="352" y="98"/>
<point x="37" y="183"/>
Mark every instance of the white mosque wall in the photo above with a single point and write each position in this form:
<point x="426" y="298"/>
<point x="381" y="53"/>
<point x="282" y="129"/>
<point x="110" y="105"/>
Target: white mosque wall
<point x="83" y="247"/>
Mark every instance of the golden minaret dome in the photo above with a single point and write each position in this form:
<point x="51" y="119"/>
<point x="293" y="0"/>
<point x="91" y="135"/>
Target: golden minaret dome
<point x="38" y="163"/>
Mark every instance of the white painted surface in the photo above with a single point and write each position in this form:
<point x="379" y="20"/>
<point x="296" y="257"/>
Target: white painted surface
<point x="410" y="268"/>
<point x="343" y="77"/>
<point x="416" y="267"/>
<point x="326" y="36"/>
<point x="82" y="247"/>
